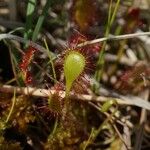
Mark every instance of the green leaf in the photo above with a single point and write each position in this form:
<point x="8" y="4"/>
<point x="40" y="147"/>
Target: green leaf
<point x="29" y="18"/>
<point x="73" y="66"/>
<point x="41" y="19"/>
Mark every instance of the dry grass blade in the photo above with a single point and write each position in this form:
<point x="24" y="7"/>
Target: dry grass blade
<point x="122" y="100"/>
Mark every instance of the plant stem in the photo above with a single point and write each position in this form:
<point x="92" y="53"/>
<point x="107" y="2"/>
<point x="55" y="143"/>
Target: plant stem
<point x="51" y="61"/>
<point x="100" y="62"/>
<point x="12" y="107"/>
<point x="55" y="126"/>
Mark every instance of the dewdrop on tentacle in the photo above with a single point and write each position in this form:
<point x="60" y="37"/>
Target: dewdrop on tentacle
<point x="74" y="65"/>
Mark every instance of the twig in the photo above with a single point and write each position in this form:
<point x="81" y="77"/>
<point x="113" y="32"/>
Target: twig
<point x="120" y="136"/>
<point x="145" y="95"/>
<point x="122" y="100"/>
<point x="143" y="119"/>
<point x="40" y="48"/>
<point x="111" y="37"/>
<point x="114" y="118"/>
<point x="22" y="40"/>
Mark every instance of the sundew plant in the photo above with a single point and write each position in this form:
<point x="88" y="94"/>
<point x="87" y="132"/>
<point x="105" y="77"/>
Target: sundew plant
<point x="74" y="75"/>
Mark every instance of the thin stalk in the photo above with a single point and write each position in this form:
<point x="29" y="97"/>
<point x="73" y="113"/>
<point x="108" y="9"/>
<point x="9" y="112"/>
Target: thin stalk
<point x="51" y="60"/>
<point x="66" y="105"/>
<point x="89" y="139"/>
<point x="10" y="81"/>
<point x="55" y="126"/>
<point x="100" y="62"/>
<point x="13" y="61"/>
<point x="12" y="107"/>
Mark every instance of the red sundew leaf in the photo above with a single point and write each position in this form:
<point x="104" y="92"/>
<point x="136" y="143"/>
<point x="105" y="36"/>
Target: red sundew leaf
<point x="28" y="78"/>
<point x="132" y="19"/>
<point x="24" y="65"/>
<point x="135" y="73"/>
<point x="125" y="76"/>
<point x="133" y="78"/>
<point x="78" y="38"/>
<point x="26" y="58"/>
<point x="147" y="72"/>
<point x="134" y="13"/>
<point x="52" y="107"/>
<point x="84" y="13"/>
<point x="59" y="87"/>
<point x="96" y="48"/>
<point x="89" y="52"/>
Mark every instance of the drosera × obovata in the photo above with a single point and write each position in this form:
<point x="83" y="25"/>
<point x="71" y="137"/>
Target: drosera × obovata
<point x="78" y="65"/>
